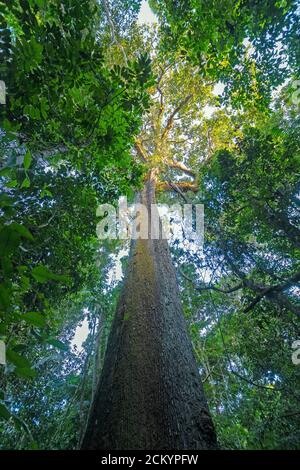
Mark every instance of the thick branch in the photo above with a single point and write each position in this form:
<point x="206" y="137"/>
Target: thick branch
<point x="210" y="287"/>
<point x="163" y="72"/>
<point x="175" y="187"/>
<point x="170" y="120"/>
<point x="274" y="293"/>
<point x="182" y="167"/>
<point x="282" y="300"/>
<point x="255" y="384"/>
<point x="184" y="186"/>
<point x="161" y="108"/>
<point x="141" y="150"/>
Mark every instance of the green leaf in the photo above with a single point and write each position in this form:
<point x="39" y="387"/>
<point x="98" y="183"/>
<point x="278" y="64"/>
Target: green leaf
<point x="2" y="329"/>
<point x="58" y="344"/>
<point x="25" y="372"/>
<point x="25" y="283"/>
<point x="5" y="171"/>
<point x="4" y="413"/>
<point x="73" y="379"/>
<point x="21" y="230"/>
<point x="4" y="297"/>
<point x="7" y="265"/>
<point x="32" y="112"/>
<point x="35" y="319"/>
<point x="12" y="184"/>
<point x="43" y="274"/>
<point x="27" y="160"/>
<point x="5" y="200"/>
<point x="16" y="359"/>
<point x="34" y="445"/>
<point x="9" y="240"/>
<point x="25" y="183"/>
<point x="19" y="424"/>
<point x="20" y="347"/>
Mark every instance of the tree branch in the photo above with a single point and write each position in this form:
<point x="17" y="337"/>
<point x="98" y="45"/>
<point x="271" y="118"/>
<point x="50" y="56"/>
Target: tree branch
<point x="175" y="187"/>
<point x="182" y="167"/>
<point x="170" y="120"/>
<point x="113" y="32"/>
<point x="184" y="186"/>
<point x="209" y="287"/>
<point x="274" y="293"/>
<point x="161" y="108"/>
<point x="141" y="150"/>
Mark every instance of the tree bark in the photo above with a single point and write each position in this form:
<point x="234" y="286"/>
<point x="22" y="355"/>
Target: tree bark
<point x="150" y="394"/>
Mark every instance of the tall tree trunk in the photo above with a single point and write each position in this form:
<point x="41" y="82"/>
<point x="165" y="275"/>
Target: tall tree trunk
<point x="149" y="395"/>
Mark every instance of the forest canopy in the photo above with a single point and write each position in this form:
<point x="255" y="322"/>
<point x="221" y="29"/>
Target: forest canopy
<point x="201" y="107"/>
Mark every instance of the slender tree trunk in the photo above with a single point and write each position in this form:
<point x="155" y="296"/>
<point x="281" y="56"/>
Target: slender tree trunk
<point x="149" y="395"/>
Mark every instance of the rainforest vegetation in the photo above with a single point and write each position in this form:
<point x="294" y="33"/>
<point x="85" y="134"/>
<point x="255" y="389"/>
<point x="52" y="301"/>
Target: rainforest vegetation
<point x="149" y="344"/>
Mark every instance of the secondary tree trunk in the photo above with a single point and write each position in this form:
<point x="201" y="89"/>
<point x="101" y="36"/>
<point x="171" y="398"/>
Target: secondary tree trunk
<point x="149" y="395"/>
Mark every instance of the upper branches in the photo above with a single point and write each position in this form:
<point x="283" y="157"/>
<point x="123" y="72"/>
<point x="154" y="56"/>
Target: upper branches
<point x="170" y="120"/>
<point x="182" y="167"/>
<point x="274" y="293"/>
<point x="141" y="151"/>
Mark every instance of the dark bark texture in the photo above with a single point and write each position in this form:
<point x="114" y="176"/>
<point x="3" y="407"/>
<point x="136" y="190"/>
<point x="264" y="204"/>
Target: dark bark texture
<point x="149" y="395"/>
